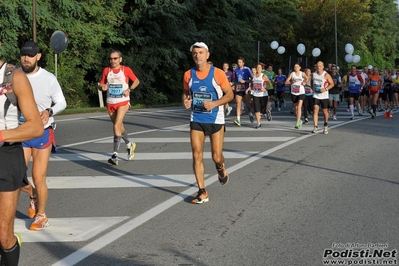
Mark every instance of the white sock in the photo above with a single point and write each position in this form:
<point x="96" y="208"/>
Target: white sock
<point x="352" y="108"/>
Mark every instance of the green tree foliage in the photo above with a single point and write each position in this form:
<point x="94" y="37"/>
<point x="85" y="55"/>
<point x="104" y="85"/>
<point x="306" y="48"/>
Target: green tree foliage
<point x="154" y="36"/>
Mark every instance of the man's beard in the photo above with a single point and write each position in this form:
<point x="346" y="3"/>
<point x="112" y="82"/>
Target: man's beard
<point x="29" y="69"/>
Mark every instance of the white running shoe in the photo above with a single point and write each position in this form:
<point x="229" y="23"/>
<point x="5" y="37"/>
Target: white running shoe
<point x="229" y="110"/>
<point x="130" y="147"/>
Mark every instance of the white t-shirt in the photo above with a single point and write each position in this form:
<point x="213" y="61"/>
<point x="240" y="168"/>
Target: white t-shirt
<point x="46" y="91"/>
<point x="319" y="83"/>
<point x="296" y="87"/>
<point x="258" y="84"/>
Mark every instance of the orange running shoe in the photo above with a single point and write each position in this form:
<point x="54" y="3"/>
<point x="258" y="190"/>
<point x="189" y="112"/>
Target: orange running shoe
<point x="32" y="209"/>
<point x="39" y="223"/>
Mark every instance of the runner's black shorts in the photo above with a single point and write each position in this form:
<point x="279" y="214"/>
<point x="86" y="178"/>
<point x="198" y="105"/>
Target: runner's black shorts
<point x="296" y="98"/>
<point x="12" y="167"/>
<point x="321" y="102"/>
<point x="208" y="129"/>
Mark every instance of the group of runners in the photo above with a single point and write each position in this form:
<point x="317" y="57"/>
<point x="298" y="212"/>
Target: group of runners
<point x="365" y="89"/>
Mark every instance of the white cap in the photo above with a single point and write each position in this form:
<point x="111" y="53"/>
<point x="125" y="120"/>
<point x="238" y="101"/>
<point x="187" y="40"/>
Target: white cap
<point x="199" y="44"/>
<point x="370" y="67"/>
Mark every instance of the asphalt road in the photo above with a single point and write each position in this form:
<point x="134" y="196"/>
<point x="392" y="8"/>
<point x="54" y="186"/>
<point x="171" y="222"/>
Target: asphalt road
<point x="293" y="198"/>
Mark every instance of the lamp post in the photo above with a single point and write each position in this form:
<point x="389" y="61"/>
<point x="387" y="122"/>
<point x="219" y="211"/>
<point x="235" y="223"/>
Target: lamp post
<point x="336" y="41"/>
<point x="34" y="20"/>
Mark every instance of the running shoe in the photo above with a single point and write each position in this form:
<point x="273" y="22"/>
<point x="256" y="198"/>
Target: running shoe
<point x="39" y="223"/>
<point x="258" y="126"/>
<point x="347" y="109"/>
<point x="352" y="117"/>
<point x="229" y="110"/>
<point x="269" y="116"/>
<point x="279" y="109"/>
<point x="223" y="175"/>
<point x="298" y="125"/>
<point x="130" y="147"/>
<point x="19" y="238"/>
<point x="201" y="197"/>
<point x="306" y="121"/>
<point x="32" y="209"/>
<point x="372" y="115"/>
<point x="325" y="131"/>
<point x="315" y="130"/>
<point x="334" y="117"/>
<point x="114" y="159"/>
<point x="251" y="118"/>
<point x="237" y="123"/>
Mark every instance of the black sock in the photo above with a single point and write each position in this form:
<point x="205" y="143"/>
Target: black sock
<point x="10" y="257"/>
<point x="325" y="124"/>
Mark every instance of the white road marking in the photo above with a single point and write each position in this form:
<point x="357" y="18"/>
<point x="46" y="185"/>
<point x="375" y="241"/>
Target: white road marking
<point x="72" y="182"/>
<point x="120" y="231"/>
<point x="59" y="157"/>
<point x="66" y="229"/>
<point x="187" y="139"/>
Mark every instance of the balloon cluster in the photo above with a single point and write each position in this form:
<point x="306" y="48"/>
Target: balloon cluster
<point x="349" y="58"/>
<point x="301" y="50"/>
<point x="280" y="49"/>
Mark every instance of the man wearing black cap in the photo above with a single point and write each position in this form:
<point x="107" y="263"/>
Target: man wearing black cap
<point x="46" y="90"/>
<point x="12" y="163"/>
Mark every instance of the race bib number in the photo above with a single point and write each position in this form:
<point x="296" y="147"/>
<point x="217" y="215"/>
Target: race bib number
<point x="115" y="90"/>
<point x="240" y="86"/>
<point x="351" y="85"/>
<point x="198" y="98"/>
<point x="257" y="86"/>
<point x="308" y="89"/>
<point x="317" y="88"/>
<point x="295" y="88"/>
<point x="374" y="83"/>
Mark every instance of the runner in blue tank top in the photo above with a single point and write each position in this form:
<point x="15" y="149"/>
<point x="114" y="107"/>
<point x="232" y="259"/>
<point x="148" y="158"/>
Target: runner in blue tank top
<point x="206" y="91"/>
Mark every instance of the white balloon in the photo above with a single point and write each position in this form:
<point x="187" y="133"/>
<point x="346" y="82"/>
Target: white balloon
<point x="349" y="58"/>
<point x="356" y="58"/>
<point x="274" y="45"/>
<point x="349" y="48"/>
<point x="301" y="48"/>
<point x="316" y="52"/>
<point x="281" y="50"/>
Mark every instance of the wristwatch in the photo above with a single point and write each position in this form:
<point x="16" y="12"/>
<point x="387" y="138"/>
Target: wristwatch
<point x="50" y="112"/>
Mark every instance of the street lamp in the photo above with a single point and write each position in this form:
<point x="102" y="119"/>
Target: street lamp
<point x="34" y="20"/>
<point x="336" y="42"/>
